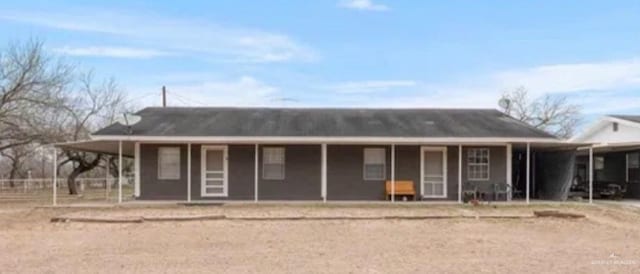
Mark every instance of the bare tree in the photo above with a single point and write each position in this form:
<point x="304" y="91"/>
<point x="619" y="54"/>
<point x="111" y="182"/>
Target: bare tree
<point x="30" y="83"/>
<point x="90" y="106"/>
<point x="553" y="114"/>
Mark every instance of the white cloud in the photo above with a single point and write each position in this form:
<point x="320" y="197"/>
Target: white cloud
<point x="217" y="42"/>
<point x="362" y="5"/>
<point x="573" y="77"/>
<point x="115" y="52"/>
<point x="371" y="86"/>
<point x="599" y="87"/>
<point x="243" y="91"/>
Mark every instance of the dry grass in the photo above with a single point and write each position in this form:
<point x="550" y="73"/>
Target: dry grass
<point x="30" y="243"/>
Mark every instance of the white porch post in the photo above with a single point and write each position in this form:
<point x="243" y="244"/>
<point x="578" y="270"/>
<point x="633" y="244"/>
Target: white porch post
<point x="120" y="171"/>
<point x="591" y="174"/>
<point x="107" y="185"/>
<point x="509" y="171"/>
<point x="459" y="173"/>
<point x="528" y="171"/>
<point x="55" y="176"/>
<point x="393" y="173"/>
<point x="136" y="185"/>
<point x="324" y="173"/>
<point x="255" y="177"/>
<point x="189" y="172"/>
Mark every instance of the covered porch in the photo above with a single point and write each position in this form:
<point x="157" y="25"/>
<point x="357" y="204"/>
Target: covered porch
<point x="336" y="170"/>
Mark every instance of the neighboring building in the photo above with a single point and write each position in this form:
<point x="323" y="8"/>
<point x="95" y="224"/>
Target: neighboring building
<point x="324" y="154"/>
<point x="616" y="153"/>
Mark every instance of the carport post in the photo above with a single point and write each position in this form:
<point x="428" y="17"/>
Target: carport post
<point x="107" y="186"/>
<point x="528" y="169"/>
<point x="393" y="173"/>
<point x="459" y="173"/>
<point x="591" y="174"/>
<point x="255" y="175"/>
<point x="509" y="171"/>
<point x="189" y="172"/>
<point x="55" y="176"/>
<point x="120" y="171"/>
<point x="323" y="167"/>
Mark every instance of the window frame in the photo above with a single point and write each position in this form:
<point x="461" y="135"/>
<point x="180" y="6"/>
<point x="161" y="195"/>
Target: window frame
<point x="487" y="165"/>
<point x="365" y="163"/>
<point x="283" y="163"/>
<point x="160" y="166"/>
<point x="598" y="163"/>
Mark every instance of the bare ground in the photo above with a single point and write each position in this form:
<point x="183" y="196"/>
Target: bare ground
<point x="30" y="243"/>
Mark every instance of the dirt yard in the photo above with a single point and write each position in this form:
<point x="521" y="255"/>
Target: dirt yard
<point x="30" y="243"/>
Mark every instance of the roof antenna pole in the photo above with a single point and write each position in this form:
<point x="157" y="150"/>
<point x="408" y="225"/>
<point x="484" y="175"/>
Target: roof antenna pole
<point x="164" y="96"/>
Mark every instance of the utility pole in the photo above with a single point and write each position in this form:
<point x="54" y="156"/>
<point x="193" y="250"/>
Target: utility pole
<point x="164" y="96"/>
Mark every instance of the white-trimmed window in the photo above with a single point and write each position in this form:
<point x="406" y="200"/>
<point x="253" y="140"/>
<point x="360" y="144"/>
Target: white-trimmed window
<point x="598" y="163"/>
<point x="169" y="163"/>
<point x="273" y="163"/>
<point x="634" y="160"/>
<point x="374" y="164"/>
<point x="478" y="164"/>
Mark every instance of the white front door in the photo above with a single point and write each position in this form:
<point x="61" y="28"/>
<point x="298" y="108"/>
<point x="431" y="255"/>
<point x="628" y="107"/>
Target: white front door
<point x="433" y="172"/>
<point x="214" y="171"/>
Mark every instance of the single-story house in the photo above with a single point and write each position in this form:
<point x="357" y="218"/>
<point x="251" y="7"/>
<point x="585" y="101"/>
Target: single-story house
<point x="615" y="154"/>
<point x="224" y="153"/>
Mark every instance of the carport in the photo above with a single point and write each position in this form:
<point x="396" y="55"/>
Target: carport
<point x="118" y="149"/>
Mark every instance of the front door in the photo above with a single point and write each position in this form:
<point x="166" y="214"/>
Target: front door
<point x="434" y="172"/>
<point x="214" y="171"/>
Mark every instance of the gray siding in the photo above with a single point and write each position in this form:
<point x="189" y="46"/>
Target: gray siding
<point x="497" y="168"/>
<point x="152" y="188"/>
<point x="345" y="178"/>
<point x="303" y="173"/>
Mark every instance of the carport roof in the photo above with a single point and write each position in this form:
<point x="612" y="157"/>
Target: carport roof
<point x="632" y="118"/>
<point x="99" y="146"/>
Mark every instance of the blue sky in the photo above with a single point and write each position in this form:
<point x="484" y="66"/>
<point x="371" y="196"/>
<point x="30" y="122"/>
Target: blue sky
<point x="376" y="53"/>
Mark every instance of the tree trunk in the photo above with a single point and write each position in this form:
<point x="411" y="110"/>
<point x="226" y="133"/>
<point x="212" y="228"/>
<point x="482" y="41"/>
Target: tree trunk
<point x="78" y="170"/>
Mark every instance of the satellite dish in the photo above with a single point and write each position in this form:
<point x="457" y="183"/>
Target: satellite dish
<point x="504" y="103"/>
<point x="127" y="119"/>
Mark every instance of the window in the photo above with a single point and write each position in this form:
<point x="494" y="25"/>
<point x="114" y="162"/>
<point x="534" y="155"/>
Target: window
<point x="615" y="126"/>
<point x="169" y="163"/>
<point x="598" y="163"/>
<point x="374" y="164"/>
<point x="273" y="163"/>
<point x="634" y="160"/>
<point x="478" y="164"/>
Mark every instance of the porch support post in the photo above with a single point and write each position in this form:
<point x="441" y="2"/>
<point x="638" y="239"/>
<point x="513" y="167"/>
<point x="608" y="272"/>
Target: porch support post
<point x="55" y="176"/>
<point x="393" y="173"/>
<point x="136" y="186"/>
<point x="528" y="171"/>
<point x="255" y="177"/>
<point x="120" y="171"/>
<point x="323" y="168"/>
<point x="591" y="174"/>
<point x="459" y="173"/>
<point x="509" y="171"/>
<point x="189" y="172"/>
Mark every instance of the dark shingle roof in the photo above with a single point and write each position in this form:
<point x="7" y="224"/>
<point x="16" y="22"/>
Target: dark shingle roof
<point x="326" y="122"/>
<point x="632" y="118"/>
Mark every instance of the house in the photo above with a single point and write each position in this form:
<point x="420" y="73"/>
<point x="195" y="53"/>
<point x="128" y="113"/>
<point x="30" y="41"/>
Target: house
<point x="255" y="154"/>
<point x="615" y="153"/>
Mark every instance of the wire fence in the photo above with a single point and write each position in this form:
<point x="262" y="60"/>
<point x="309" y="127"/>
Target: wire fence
<point x="40" y="190"/>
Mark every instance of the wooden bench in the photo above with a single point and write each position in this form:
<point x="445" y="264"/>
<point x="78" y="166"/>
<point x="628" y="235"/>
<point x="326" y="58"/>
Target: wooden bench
<point x="403" y="188"/>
